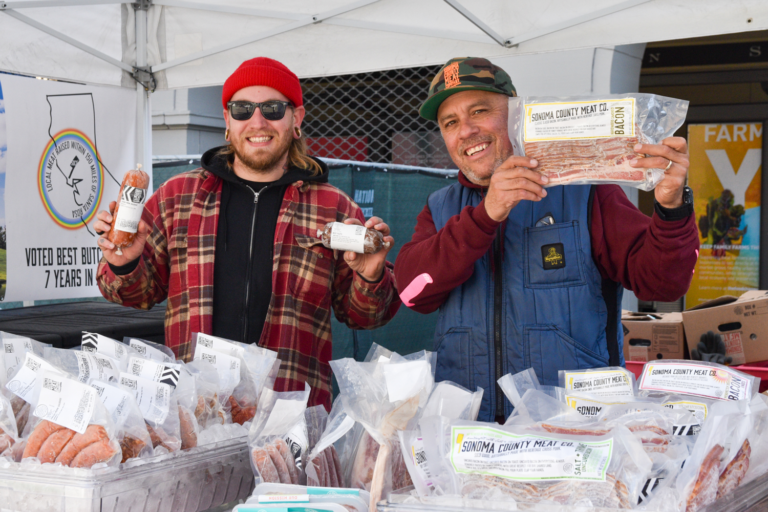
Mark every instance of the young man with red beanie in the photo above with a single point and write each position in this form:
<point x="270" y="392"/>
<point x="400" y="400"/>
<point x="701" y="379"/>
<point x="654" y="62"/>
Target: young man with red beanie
<point x="233" y="245"/>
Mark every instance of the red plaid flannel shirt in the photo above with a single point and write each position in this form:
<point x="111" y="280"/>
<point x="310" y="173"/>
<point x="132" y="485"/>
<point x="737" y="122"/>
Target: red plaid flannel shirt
<point x="308" y="280"/>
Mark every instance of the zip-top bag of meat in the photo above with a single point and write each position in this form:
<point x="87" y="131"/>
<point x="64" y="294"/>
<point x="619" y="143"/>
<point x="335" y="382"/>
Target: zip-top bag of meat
<point x="580" y="140"/>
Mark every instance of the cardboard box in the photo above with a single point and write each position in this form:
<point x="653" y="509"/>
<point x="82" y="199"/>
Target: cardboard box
<point x="651" y="336"/>
<point x="742" y="322"/>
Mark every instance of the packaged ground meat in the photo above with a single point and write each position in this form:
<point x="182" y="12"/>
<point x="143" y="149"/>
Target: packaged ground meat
<point x="352" y="237"/>
<point x="324" y="466"/>
<point x="129" y="207"/>
<point x="132" y="433"/>
<point x="590" y="139"/>
<point x="160" y="410"/>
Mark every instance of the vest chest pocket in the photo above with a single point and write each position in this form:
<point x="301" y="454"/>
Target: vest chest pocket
<point x="553" y="256"/>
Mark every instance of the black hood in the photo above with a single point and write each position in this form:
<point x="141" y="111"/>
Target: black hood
<point x="217" y="164"/>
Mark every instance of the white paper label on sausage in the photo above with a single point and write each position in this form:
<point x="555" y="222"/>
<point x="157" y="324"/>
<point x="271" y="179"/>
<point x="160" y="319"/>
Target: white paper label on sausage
<point x="131" y="206"/>
<point x="94" y="366"/>
<point x="154" y="398"/>
<point x="600" y="383"/>
<point x="23" y="383"/>
<point x="93" y="342"/>
<point x="405" y="380"/>
<point x="218" y="345"/>
<point x="494" y="452"/>
<point x="65" y="402"/>
<point x="697" y="380"/>
<point x="14" y="350"/>
<point x="348" y="237"/>
<point x="148" y="351"/>
<point x="419" y="457"/>
<point x="115" y="400"/>
<point x="593" y="119"/>
<point x="227" y="367"/>
<point x="167" y="373"/>
<point x="298" y="442"/>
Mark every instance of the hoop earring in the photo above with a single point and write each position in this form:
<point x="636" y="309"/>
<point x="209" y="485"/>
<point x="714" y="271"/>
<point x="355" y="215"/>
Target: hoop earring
<point x="226" y="134"/>
<point x="297" y="131"/>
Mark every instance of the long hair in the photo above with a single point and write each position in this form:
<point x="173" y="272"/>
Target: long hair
<point x="297" y="155"/>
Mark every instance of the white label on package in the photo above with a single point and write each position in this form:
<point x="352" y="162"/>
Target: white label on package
<point x="131" y="205"/>
<point x="494" y="452"/>
<point x="419" y="457"/>
<point x="167" y="373"/>
<point x="600" y="383"/>
<point x="149" y="351"/>
<point x="698" y="409"/>
<point x="93" y="342"/>
<point x="65" y="402"/>
<point x="405" y="380"/>
<point x="348" y="237"/>
<point x="228" y="367"/>
<point x="153" y="397"/>
<point x="594" y="119"/>
<point x="297" y="442"/>
<point x="587" y="407"/>
<point x="14" y="350"/>
<point x="93" y="366"/>
<point x="23" y="383"/>
<point x="218" y="345"/>
<point x="697" y="380"/>
<point x="115" y="400"/>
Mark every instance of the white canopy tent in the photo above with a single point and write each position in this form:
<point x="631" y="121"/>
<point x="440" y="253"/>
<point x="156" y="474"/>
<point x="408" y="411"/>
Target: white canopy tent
<point x="156" y="44"/>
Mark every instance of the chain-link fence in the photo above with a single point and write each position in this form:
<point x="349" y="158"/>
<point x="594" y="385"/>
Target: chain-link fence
<point x="374" y="117"/>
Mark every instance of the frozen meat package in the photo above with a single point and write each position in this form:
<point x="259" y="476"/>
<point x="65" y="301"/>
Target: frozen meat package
<point x="581" y="140"/>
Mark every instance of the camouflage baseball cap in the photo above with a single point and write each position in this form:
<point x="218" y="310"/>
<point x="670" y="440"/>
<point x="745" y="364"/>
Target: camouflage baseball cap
<point x="465" y="74"/>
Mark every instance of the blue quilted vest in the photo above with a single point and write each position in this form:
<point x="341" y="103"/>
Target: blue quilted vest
<point x="547" y="308"/>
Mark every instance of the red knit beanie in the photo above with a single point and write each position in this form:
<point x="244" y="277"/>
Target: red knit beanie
<point x="267" y="72"/>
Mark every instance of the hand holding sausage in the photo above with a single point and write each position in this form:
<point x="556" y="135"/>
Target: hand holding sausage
<point x="103" y="226"/>
<point x="370" y="266"/>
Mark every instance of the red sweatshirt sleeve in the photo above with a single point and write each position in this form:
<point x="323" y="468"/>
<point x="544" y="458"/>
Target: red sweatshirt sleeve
<point x="433" y="263"/>
<point x="652" y="257"/>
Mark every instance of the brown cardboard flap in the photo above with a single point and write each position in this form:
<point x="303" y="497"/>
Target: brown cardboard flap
<point x="720" y="301"/>
<point x="640" y="317"/>
<point x="753" y="295"/>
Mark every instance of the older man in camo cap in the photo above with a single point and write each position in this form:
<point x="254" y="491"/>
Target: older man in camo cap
<point x="527" y="276"/>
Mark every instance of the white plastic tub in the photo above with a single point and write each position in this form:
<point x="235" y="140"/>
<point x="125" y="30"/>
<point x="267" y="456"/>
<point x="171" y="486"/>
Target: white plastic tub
<point x="190" y="481"/>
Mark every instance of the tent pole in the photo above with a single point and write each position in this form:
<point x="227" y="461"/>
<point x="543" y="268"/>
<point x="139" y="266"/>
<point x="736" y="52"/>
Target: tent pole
<point x="143" y="109"/>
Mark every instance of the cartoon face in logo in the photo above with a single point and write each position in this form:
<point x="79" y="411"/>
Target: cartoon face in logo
<point x="70" y="179"/>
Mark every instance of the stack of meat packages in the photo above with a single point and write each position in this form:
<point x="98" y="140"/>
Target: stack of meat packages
<point x="109" y="402"/>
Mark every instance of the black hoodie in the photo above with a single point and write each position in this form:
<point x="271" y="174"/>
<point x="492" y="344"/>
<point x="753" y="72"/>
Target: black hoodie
<point x="242" y="268"/>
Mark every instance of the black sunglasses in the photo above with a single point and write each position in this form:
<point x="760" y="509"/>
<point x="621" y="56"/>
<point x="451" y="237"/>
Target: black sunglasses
<point x="272" y="110"/>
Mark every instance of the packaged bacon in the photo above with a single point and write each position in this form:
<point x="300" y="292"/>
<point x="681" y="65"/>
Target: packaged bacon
<point x="130" y="205"/>
<point x="352" y="237"/>
<point x="580" y="140"/>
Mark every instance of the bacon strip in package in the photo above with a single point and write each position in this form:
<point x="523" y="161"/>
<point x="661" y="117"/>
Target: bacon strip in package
<point x="591" y="139"/>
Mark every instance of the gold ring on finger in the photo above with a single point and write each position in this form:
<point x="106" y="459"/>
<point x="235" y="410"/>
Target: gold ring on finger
<point x="668" y="165"/>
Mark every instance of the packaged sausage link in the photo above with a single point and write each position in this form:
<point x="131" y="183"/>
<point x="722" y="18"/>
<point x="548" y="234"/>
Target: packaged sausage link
<point x="352" y="237"/>
<point x="580" y="140"/>
<point x="94" y="342"/>
<point x="325" y="463"/>
<point x="130" y="205"/>
<point x="8" y="430"/>
<point x="87" y="366"/>
<point x="74" y="427"/>
<point x="133" y="436"/>
<point x="278" y="435"/>
<point x="160" y="411"/>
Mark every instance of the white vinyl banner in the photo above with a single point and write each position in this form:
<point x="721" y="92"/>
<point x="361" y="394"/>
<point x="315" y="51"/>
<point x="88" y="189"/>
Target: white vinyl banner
<point x="64" y="149"/>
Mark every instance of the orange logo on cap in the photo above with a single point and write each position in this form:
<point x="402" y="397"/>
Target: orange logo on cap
<point x="451" y="74"/>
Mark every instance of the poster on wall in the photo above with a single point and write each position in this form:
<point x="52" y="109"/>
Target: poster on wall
<point x="64" y="149"/>
<point x="725" y="176"/>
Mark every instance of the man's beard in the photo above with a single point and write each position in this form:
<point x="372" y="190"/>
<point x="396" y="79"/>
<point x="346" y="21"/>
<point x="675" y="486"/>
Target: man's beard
<point x="264" y="161"/>
<point x="477" y="180"/>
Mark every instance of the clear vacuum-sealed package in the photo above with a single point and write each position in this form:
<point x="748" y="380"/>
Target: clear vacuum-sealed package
<point x="580" y="140"/>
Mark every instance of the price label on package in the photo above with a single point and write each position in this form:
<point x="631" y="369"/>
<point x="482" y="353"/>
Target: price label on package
<point x="23" y="383"/>
<point x="149" y="351"/>
<point x="66" y="402"/>
<point x="348" y="237"/>
<point x="115" y="400"/>
<point x="228" y="367"/>
<point x="697" y="380"/>
<point x="594" y="119"/>
<point x="153" y="397"/>
<point x="14" y="350"/>
<point x="94" y="366"/>
<point x="167" y="373"/>
<point x="218" y="345"/>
